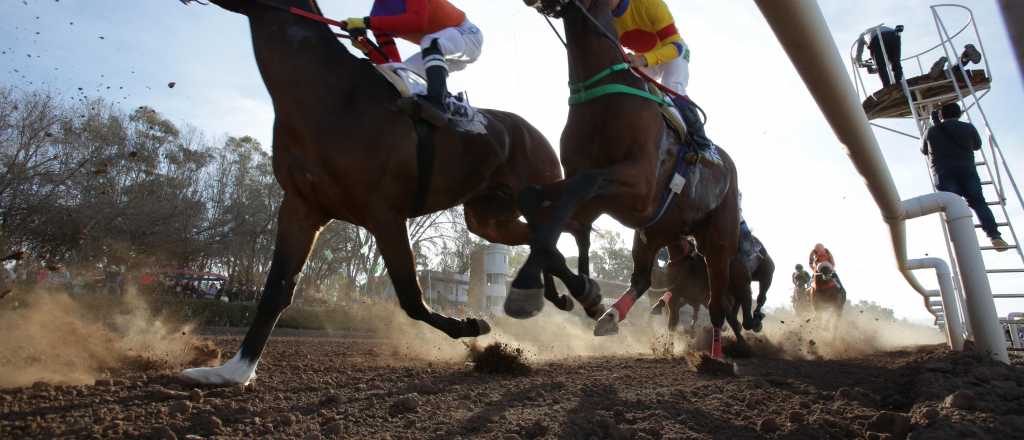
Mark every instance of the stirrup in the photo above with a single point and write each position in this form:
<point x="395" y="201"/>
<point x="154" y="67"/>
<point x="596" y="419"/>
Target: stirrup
<point x="418" y="108"/>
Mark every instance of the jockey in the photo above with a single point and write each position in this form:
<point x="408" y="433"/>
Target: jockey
<point x="647" y="28"/>
<point x="818" y="255"/>
<point x="821" y="254"/>
<point x="448" y="41"/>
<point x="801" y="277"/>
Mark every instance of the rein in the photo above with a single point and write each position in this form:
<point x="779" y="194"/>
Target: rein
<point x="357" y="37"/>
<point x="622" y="53"/>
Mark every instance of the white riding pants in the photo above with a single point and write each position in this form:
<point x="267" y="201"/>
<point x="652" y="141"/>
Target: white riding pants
<point x="461" y="46"/>
<point x="674" y="74"/>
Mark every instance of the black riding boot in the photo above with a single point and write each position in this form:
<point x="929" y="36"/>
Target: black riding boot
<point x="695" y="126"/>
<point x="437" y="75"/>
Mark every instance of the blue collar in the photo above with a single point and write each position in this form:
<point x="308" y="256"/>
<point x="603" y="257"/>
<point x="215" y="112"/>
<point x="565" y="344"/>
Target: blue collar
<point x="623" y="6"/>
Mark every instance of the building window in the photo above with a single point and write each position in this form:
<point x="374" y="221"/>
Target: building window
<point x="495" y="279"/>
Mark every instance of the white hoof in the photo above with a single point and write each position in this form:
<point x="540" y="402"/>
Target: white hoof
<point x="608" y="325"/>
<point x="524" y="303"/>
<point x="234" y="372"/>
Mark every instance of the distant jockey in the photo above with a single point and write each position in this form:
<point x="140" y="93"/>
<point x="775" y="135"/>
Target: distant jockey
<point x="821" y="254"/>
<point x="447" y="39"/>
<point x="801" y="279"/>
<point x="647" y="28"/>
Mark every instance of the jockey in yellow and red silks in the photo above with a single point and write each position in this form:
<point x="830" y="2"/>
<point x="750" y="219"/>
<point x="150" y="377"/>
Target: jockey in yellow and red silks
<point x="647" y="28"/>
<point x="447" y="40"/>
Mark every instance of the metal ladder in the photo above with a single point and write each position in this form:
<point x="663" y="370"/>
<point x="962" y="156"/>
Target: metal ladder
<point x="992" y="166"/>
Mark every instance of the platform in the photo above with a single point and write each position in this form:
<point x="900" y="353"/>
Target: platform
<point x="890" y="102"/>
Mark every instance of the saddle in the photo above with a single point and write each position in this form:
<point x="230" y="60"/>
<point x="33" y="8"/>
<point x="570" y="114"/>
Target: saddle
<point x="413" y="88"/>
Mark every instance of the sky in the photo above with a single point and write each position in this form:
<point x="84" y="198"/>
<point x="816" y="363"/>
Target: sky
<point x="798" y="185"/>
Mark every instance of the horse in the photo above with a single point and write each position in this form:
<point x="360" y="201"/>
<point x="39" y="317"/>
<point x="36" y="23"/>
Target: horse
<point x="827" y="296"/>
<point x="620" y="159"/>
<point x="344" y="150"/>
<point x="687" y="280"/>
<point x="801" y="300"/>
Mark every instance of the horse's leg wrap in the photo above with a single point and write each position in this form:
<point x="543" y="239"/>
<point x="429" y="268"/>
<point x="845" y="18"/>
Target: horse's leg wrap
<point x="716" y="343"/>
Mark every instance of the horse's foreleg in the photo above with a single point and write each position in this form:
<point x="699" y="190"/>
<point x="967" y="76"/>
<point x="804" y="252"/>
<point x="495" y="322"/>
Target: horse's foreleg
<point x="493" y="221"/>
<point x="297" y="228"/>
<point x="643" y="261"/>
<point x="547" y="209"/>
<point x="763" y="275"/>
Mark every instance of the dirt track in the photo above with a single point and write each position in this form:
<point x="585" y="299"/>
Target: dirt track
<point x="337" y="388"/>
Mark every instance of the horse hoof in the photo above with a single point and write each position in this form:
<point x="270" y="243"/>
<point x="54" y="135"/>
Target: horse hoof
<point x="564" y="303"/>
<point x="524" y="303"/>
<point x="481" y="327"/>
<point x="234" y="372"/>
<point x="608" y="325"/>
<point x="591" y="300"/>
<point x="656" y="310"/>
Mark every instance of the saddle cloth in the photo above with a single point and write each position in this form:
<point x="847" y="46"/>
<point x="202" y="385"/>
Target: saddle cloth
<point x="408" y="83"/>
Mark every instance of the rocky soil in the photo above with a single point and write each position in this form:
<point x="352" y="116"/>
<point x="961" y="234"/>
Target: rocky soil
<point x="331" y="387"/>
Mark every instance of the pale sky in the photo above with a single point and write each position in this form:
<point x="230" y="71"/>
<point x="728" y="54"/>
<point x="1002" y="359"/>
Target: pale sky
<point x="799" y="187"/>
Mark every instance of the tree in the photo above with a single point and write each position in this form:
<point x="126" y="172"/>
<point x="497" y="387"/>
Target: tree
<point x="610" y="259"/>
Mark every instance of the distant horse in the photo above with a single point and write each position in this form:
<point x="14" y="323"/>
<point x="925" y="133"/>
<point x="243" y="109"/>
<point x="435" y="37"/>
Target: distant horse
<point x="344" y="150"/>
<point x="686" y="279"/>
<point x="620" y="159"/>
<point x="801" y="300"/>
<point x="827" y="296"/>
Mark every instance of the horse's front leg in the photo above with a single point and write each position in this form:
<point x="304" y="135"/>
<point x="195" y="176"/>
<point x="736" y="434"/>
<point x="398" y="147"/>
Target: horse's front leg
<point x="644" y="252"/>
<point x="547" y="209"/>
<point x="297" y="228"/>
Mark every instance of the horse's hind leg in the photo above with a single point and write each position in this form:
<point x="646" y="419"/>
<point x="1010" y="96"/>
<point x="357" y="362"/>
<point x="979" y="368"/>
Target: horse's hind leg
<point x="296" y="232"/>
<point x="393" y="240"/>
<point x="644" y="252"/>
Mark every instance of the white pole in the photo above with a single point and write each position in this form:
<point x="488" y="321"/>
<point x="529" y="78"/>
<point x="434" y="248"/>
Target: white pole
<point x="954" y="328"/>
<point x="800" y="27"/>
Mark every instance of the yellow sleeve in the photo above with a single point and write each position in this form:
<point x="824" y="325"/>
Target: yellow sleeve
<point x="671" y="45"/>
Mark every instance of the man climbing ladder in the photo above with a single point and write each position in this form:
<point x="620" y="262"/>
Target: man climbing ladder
<point x="447" y="39"/>
<point x="648" y="29"/>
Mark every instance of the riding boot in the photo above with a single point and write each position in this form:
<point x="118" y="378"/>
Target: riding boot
<point x="704" y="146"/>
<point x="437" y="75"/>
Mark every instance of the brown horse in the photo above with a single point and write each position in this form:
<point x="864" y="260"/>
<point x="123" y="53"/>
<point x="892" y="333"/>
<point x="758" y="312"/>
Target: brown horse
<point x="827" y="296"/>
<point x="686" y="278"/>
<point x="619" y="158"/>
<point x="342" y="150"/>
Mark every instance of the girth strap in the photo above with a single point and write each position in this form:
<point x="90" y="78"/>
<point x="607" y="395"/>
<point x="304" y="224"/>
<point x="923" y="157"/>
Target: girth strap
<point x="424" y="165"/>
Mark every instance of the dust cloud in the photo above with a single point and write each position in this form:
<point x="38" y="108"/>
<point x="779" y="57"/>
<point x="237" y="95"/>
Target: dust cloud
<point x="54" y="338"/>
<point x="555" y="335"/>
<point x="857" y="333"/>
